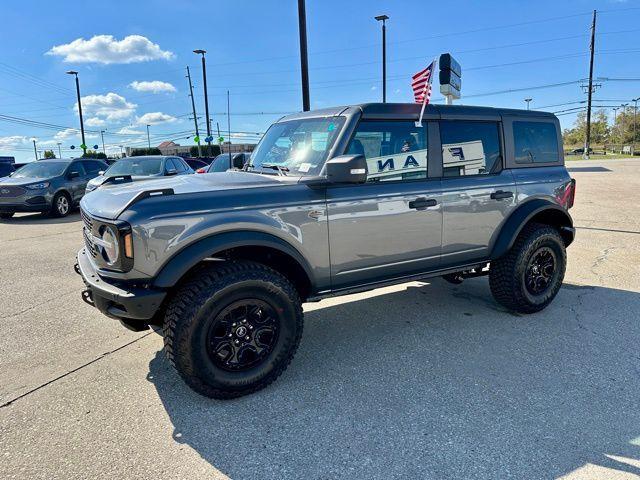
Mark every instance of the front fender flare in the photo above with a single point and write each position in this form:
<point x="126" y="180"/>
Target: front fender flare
<point x="514" y="224"/>
<point x="178" y="265"/>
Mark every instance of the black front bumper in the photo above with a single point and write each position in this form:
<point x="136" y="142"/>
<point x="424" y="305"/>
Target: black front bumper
<point x="23" y="207"/>
<point x="117" y="301"/>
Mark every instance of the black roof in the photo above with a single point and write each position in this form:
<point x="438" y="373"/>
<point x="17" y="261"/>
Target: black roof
<point x="411" y="110"/>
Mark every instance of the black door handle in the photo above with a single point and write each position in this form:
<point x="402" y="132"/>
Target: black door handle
<point x="422" y="203"/>
<point x="499" y="195"/>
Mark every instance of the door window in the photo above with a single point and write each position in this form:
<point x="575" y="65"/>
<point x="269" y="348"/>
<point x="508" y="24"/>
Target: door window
<point x="469" y="147"/>
<point x="92" y="167"/>
<point x="77" y="167"/>
<point x="394" y="150"/>
<point x="535" y="142"/>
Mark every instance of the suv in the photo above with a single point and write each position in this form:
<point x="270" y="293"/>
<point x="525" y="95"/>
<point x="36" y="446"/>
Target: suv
<point x="333" y="201"/>
<point x="48" y="186"/>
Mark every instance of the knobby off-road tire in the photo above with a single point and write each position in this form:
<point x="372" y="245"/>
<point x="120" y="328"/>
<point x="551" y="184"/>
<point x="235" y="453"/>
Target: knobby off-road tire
<point x="199" y="321"/>
<point x="514" y="278"/>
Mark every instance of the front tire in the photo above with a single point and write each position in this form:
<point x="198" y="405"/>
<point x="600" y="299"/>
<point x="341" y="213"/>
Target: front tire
<point x="232" y="329"/>
<point x="61" y="205"/>
<point x="528" y="277"/>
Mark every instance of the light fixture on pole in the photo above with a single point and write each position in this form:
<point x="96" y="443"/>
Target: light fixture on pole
<point x="206" y="98"/>
<point x="528" y="100"/>
<point x="74" y="73"/>
<point x="383" y="19"/>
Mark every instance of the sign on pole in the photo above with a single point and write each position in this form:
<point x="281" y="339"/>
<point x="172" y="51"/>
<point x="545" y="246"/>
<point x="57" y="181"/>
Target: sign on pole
<point x="450" y="77"/>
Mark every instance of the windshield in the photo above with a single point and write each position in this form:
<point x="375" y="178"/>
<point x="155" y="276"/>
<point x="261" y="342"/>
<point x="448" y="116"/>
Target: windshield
<point x="138" y="167"/>
<point x="220" y="163"/>
<point x="45" y="169"/>
<point x="300" y="146"/>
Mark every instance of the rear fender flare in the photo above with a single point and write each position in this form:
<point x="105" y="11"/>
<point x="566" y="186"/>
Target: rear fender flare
<point x="514" y="224"/>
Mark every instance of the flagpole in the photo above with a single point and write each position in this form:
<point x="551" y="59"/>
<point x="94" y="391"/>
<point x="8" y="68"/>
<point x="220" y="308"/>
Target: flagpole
<point x="424" y="93"/>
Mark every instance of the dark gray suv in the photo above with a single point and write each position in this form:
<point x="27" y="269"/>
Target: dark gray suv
<point x="49" y="186"/>
<point x="333" y="201"/>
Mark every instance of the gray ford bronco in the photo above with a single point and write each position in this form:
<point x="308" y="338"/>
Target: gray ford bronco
<point x="330" y="202"/>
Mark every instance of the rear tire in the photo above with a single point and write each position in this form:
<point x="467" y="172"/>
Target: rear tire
<point x="6" y="215"/>
<point x="233" y="328"/>
<point x="61" y="205"/>
<point x="528" y="277"/>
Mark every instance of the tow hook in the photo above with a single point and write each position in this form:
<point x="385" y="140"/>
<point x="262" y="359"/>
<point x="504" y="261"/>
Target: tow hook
<point x="76" y="267"/>
<point x="87" y="297"/>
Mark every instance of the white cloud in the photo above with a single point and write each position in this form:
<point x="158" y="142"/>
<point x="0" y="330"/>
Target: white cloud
<point x="154" y="118"/>
<point x="107" y="50"/>
<point x="155" y="86"/>
<point x="110" y="107"/>
<point x="66" y="134"/>
<point x="129" y="131"/>
<point x="13" y="141"/>
<point x="95" y="122"/>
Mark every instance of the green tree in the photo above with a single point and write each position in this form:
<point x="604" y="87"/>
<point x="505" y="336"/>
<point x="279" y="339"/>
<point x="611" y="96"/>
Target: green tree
<point x="49" y="154"/>
<point x="214" y="151"/>
<point x="93" y="154"/>
<point x="600" y="130"/>
<point x="139" y="152"/>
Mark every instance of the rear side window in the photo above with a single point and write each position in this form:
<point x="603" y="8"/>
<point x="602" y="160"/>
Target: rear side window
<point x="393" y="150"/>
<point x="92" y="167"/>
<point x="469" y="147"/>
<point x="535" y="142"/>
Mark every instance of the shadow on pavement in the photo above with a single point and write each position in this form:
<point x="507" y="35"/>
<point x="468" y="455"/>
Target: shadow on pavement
<point x="41" y="219"/>
<point x="435" y="381"/>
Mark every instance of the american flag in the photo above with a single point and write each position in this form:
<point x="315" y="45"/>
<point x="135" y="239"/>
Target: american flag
<point x="421" y="84"/>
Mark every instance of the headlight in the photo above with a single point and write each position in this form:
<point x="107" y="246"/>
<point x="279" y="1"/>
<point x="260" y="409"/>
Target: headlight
<point x="110" y="246"/>
<point x="37" y="186"/>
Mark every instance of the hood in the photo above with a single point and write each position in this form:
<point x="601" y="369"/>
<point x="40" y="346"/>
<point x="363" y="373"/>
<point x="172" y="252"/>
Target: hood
<point x="109" y="201"/>
<point x="24" y="180"/>
<point x="99" y="180"/>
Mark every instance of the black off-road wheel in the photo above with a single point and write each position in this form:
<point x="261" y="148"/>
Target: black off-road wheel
<point x="6" y="215"/>
<point x="232" y="328"/>
<point x="528" y="277"/>
<point x="61" y="205"/>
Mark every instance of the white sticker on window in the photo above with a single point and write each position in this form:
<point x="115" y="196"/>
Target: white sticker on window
<point x="304" y="167"/>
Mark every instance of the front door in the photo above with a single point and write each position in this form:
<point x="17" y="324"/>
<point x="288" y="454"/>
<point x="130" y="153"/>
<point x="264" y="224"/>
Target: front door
<point x="390" y="226"/>
<point x="78" y="184"/>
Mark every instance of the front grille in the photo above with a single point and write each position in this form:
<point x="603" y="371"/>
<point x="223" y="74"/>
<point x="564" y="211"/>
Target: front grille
<point x="87" y="232"/>
<point x="10" y="191"/>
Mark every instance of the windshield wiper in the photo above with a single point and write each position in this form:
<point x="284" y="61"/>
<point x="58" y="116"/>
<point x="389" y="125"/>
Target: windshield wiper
<point x="282" y="170"/>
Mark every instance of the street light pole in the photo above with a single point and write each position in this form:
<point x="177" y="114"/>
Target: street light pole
<point x="623" y="107"/>
<point x="104" y="150"/>
<point x="148" y="137"/>
<point x="35" y="150"/>
<point x="635" y="112"/>
<point x="74" y="73"/>
<point x="528" y="100"/>
<point x="206" y="97"/>
<point x="59" y="150"/>
<point x="383" y="19"/>
<point x="304" y="60"/>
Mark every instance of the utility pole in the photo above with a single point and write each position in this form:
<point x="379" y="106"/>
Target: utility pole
<point x="104" y="150"/>
<point x="229" y="122"/>
<point x="148" y="137"/>
<point x="59" y="150"/>
<point x="587" y="141"/>
<point x="73" y="72"/>
<point x="528" y="100"/>
<point x="623" y="107"/>
<point x="206" y="98"/>
<point x="193" y="108"/>
<point x="383" y="19"/>
<point x="35" y="150"/>
<point x="304" y="61"/>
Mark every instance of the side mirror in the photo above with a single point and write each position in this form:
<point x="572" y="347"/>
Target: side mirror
<point x="238" y="162"/>
<point x="100" y="173"/>
<point x="171" y="172"/>
<point x="347" y="169"/>
<point x="73" y="175"/>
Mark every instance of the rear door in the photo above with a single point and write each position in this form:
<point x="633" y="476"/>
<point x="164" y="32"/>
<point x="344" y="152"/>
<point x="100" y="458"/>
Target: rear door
<point x="478" y="193"/>
<point x="391" y="225"/>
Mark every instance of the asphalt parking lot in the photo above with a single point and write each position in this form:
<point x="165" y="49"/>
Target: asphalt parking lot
<point x="423" y="380"/>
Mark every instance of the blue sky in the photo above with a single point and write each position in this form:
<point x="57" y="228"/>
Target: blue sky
<point x="253" y="52"/>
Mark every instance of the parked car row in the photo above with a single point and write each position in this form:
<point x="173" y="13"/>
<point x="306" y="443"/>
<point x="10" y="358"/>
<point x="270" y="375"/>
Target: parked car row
<point x="55" y="186"/>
